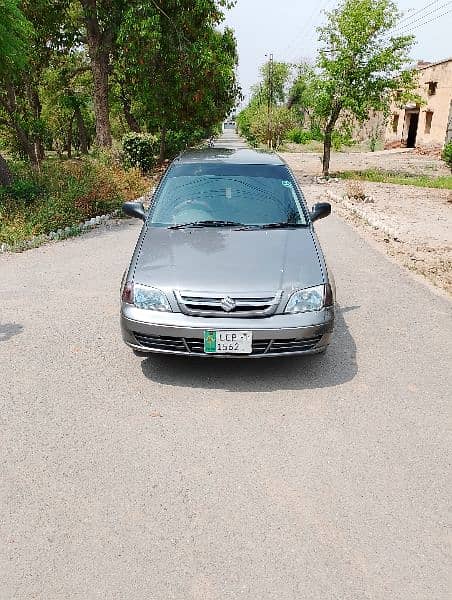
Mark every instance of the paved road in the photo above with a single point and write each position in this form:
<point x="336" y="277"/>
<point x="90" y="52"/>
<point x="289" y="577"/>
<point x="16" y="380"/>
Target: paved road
<point x="229" y="139"/>
<point x="175" y="479"/>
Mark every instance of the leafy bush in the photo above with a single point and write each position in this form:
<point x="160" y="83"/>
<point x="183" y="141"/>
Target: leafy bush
<point x="355" y="190"/>
<point x="304" y="136"/>
<point x="140" y="150"/>
<point x="22" y="189"/>
<point x="447" y="154"/>
<point x="342" y="138"/>
<point x="254" y="124"/>
<point x="243" y="121"/>
<point x="316" y="132"/>
<point x="177" y="141"/>
<point x="299" y="136"/>
<point x="65" y="193"/>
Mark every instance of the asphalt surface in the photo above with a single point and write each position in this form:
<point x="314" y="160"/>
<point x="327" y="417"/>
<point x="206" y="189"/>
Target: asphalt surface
<point x="229" y="139"/>
<point x="321" y="477"/>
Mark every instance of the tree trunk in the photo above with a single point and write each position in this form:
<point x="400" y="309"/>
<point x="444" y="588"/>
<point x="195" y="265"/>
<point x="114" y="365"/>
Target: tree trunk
<point x="327" y="139"/>
<point x="162" y="145"/>
<point x="99" y="47"/>
<point x="130" y="119"/>
<point x="27" y="146"/>
<point x="326" y="153"/>
<point x="37" y="110"/>
<point x="39" y="150"/>
<point x="25" y="143"/>
<point x="69" y="138"/>
<point x="6" y="177"/>
<point x="82" y="133"/>
<point x="100" y="78"/>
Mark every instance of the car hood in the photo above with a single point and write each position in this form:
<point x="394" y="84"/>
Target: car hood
<point x="228" y="260"/>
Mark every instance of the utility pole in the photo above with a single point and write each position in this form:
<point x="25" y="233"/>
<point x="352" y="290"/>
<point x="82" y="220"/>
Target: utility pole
<point x="270" y="100"/>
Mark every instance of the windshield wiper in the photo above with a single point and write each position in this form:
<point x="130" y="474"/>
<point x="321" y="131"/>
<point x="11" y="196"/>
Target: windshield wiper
<point x="207" y="224"/>
<point x="282" y="225"/>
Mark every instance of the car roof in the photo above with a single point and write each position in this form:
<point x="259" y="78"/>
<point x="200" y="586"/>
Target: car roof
<point x="243" y="156"/>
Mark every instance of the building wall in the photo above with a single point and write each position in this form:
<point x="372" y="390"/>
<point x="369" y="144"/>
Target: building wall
<point x="434" y="114"/>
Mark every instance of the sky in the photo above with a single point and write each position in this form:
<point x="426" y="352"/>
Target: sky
<point x="286" y="28"/>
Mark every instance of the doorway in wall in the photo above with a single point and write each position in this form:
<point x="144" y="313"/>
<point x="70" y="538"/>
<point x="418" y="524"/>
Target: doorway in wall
<point x="413" y="122"/>
<point x="449" y="125"/>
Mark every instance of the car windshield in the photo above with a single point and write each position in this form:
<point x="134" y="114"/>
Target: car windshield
<point x="208" y="194"/>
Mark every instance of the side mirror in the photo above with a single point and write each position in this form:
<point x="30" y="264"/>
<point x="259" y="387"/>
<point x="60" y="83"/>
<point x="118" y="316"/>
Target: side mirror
<point x="134" y="209"/>
<point x="320" y="211"/>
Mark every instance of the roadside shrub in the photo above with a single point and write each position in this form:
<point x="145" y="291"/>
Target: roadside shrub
<point x="140" y="150"/>
<point x="447" y="154"/>
<point x="26" y="190"/>
<point x="355" y="190"/>
<point x="342" y="138"/>
<point x="67" y="192"/>
<point x="243" y="121"/>
<point x="304" y="136"/>
<point x="299" y="136"/>
<point x="316" y="132"/>
<point x="373" y="140"/>
<point x="179" y="140"/>
<point x="281" y="122"/>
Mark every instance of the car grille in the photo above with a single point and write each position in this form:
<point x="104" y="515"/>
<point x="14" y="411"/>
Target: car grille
<point x="196" y="345"/>
<point x="228" y="305"/>
<point x="283" y="346"/>
<point x="168" y="344"/>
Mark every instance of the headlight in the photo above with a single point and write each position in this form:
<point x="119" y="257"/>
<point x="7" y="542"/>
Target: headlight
<point x="307" y="300"/>
<point x="148" y="298"/>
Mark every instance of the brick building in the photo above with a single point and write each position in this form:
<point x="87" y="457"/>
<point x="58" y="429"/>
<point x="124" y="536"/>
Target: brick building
<point x="428" y="124"/>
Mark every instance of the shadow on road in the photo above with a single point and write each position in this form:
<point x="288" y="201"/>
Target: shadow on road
<point x="9" y="330"/>
<point x="334" y="368"/>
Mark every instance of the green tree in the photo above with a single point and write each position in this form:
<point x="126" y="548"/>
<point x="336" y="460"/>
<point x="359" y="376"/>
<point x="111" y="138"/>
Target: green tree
<point x="303" y="96"/>
<point x="177" y="66"/>
<point x="275" y="77"/>
<point x="15" y="35"/>
<point x="20" y="97"/>
<point x="266" y="119"/>
<point x="150" y="66"/>
<point x="66" y="98"/>
<point x="245" y="120"/>
<point x="361" y="64"/>
<point x="273" y="129"/>
<point x="102" y="21"/>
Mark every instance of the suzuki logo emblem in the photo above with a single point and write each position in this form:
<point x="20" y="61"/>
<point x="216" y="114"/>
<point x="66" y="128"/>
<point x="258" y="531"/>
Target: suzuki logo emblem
<point x="228" y="304"/>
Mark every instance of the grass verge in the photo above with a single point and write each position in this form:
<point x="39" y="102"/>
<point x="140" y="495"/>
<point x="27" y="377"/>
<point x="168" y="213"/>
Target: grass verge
<point x="443" y="182"/>
<point x="63" y="194"/>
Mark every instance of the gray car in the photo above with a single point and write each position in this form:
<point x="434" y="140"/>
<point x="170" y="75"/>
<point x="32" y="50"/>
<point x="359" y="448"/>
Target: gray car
<point x="227" y="263"/>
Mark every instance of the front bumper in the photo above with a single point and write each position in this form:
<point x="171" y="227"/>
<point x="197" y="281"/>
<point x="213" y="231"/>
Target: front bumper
<point x="179" y="334"/>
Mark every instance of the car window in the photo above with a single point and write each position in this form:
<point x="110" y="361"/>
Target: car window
<point x="247" y="194"/>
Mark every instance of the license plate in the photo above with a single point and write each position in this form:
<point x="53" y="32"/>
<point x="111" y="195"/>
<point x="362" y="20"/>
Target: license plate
<point x="228" y="342"/>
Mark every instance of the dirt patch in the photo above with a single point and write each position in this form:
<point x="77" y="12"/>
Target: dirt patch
<point x="404" y="161"/>
<point x="411" y="224"/>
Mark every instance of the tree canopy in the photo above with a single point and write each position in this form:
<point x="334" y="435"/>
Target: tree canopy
<point x="15" y="34"/>
<point x="359" y="69"/>
<point x="75" y="72"/>
<point x="177" y="65"/>
<point x="361" y="64"/>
